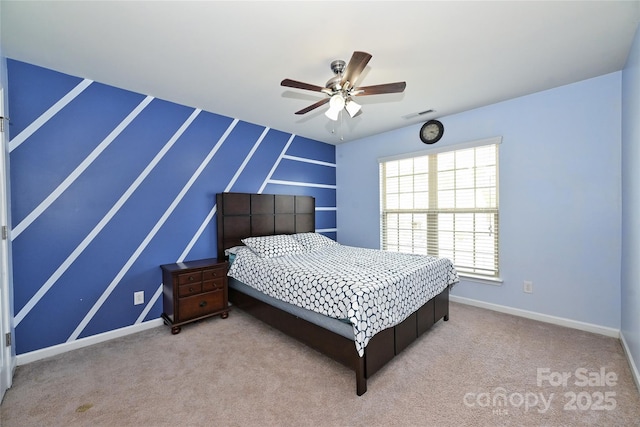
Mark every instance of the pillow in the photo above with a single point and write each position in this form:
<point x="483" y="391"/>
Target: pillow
<point x="313" y="241"/>
<point x="274" y="246"/>
<point x="232" y="250"/>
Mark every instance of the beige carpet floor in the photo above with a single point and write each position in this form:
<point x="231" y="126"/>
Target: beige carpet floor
<point x="480" y="368"/>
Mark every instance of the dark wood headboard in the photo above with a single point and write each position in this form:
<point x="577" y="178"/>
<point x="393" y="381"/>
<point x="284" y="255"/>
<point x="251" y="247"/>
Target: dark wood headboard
<point x="243" y="215"/>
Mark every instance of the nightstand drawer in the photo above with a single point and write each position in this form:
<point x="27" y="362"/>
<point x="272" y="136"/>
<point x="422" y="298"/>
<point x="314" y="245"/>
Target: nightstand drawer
<point x="191" y="289"/>
<point x="214" y="273"/>
<point x="193" y="277"/>
<point x="213" y="285"/>
<point x="200" y="305"/>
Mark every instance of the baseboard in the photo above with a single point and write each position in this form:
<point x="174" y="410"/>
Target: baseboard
<point x="561" y="321"/>
<point x="23" y="359"/>
<point x="632" y="365"/>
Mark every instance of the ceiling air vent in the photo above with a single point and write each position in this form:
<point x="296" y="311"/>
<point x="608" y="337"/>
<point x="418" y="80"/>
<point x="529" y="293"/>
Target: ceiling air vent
<point x="418" y="114"/>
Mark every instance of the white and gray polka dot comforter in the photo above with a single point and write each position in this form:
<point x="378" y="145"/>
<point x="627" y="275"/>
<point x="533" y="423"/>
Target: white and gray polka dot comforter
<point x="372" y="289"/>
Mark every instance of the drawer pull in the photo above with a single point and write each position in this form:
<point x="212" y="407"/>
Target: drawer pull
<point x="190" y="289"/>
<point x="203" y="304"/>
<point x="191" y="278"/>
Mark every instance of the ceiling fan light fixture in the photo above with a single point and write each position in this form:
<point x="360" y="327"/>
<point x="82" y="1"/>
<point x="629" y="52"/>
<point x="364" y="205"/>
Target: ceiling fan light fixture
<point x="336" y="104"/>
<point x="342" y="87"/>
<point x="352" y="107"/>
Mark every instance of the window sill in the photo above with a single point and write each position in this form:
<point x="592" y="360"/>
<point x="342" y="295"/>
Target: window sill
<point x="479" y="279"/>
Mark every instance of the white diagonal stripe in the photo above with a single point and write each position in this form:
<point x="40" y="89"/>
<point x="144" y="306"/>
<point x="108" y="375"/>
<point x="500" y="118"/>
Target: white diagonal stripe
<point x="301" y="184"/>
<point x="26" y="222"/>
<point x="85" y="321"/>
<point x="148" y="307"/>
<point x="246" y="160"/>
<point x="305" y="160"/>
<point x="211" y="213"/>
<point x="275" y="165"/>
<point x="103" y="222"/>
<point x="44" y="117"/>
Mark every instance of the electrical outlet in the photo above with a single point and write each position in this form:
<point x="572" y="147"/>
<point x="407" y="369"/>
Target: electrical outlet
<point x="528" y="286"/>
<point x="138" y="298"/>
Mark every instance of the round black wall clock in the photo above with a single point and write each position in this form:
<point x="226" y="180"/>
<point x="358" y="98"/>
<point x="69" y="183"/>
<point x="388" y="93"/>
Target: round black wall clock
<point x="431" y="132"/>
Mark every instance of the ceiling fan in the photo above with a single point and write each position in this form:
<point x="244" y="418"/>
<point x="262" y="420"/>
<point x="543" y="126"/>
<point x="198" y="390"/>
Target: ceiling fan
<point x="341" y="88"/>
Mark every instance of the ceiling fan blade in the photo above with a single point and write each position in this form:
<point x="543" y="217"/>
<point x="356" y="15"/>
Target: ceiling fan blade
<point x="300" y="85"/>
<point x="356" y="64"/>
<point x="313" y="106"/>
<point x="380" y="89"/>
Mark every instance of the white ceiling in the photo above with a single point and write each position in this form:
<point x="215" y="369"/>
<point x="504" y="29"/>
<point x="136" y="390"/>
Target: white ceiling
<point x="229" y="57"/>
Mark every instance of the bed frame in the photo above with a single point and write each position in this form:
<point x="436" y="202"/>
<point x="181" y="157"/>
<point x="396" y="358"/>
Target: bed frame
<point x="243" y="215"/>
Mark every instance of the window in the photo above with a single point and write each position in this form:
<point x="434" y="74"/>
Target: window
<point x="444" y="204"/>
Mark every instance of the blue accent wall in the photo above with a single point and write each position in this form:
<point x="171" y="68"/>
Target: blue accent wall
<point x="107" y="184"/>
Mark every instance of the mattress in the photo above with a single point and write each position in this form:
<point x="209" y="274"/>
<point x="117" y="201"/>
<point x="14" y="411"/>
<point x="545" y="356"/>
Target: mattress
<point x="340" y="327"/>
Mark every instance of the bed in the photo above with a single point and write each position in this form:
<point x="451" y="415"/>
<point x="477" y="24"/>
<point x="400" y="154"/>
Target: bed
<point x="343" y="331"/>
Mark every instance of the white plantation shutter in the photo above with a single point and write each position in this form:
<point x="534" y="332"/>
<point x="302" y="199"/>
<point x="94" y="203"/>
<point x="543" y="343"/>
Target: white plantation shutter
<point x="444" y="204"/>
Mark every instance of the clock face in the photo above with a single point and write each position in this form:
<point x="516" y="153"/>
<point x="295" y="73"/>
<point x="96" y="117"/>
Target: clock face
<point x="431" y="132"/>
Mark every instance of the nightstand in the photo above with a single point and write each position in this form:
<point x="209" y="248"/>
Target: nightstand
<point x="194" y="290"/>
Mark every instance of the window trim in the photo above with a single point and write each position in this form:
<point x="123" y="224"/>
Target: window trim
<point x="497" y="140"/>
